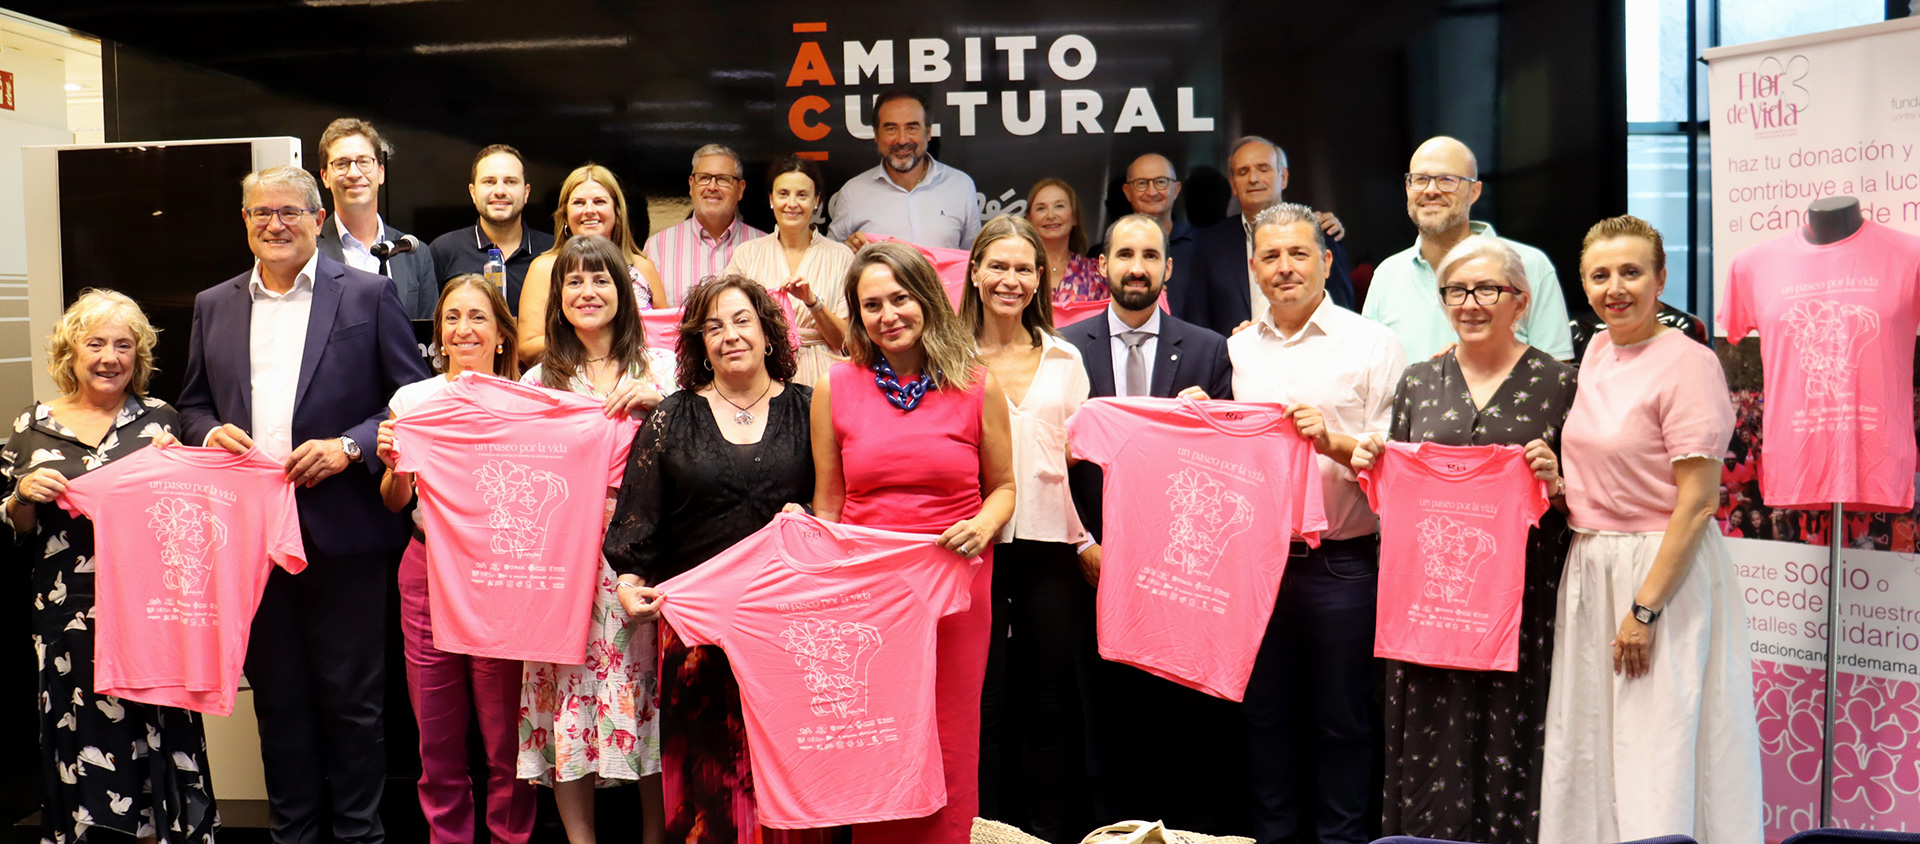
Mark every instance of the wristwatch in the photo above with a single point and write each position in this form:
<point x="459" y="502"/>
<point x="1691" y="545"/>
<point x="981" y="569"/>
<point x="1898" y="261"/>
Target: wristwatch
<point x="351" y="448"/>
<point x="1645" y="614"/>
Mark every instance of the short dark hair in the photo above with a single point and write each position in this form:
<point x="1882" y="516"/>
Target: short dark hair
<point x="1107" y="246"/>
<point x="691" y="359"/>
<point x="795" y="164"/>
<point x="892" y="94"/>
<point x="495" y="149"/>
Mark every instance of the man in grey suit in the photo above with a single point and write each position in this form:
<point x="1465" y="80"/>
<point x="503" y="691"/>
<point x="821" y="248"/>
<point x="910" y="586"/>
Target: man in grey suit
<point x="353" y="166"/>
<point x="1133" y="349"/>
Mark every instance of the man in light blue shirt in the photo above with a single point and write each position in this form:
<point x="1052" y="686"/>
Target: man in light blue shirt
<point x="909" y="195"/>
<point x="1443" y="182"/>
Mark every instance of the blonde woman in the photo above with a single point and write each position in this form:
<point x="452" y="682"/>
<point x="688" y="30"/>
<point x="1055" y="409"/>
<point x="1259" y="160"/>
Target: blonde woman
<point x="591" y="203"/>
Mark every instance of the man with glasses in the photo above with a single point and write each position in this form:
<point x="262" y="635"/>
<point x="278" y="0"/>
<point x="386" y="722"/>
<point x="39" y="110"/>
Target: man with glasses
<point x="1443" y="182"/>
<point x="908" y="195"/>
<point x="1151" y="188"/>
<point x="498" y="187"/>
<point x="353" y="167"/>
<point x="297" y="358"/>
<point x="702" y="244"/>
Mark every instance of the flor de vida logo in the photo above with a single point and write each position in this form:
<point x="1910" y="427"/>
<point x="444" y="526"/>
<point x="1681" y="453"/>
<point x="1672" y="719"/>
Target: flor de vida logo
<point x="1773" y="96"/>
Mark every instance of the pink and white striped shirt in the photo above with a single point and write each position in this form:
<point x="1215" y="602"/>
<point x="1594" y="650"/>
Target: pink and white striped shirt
<point x="686" y="253"/>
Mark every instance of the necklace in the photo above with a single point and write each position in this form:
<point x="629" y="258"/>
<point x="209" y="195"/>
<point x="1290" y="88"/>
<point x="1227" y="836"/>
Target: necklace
<point x="743" y="415"/>
<point x="904" y="396"/>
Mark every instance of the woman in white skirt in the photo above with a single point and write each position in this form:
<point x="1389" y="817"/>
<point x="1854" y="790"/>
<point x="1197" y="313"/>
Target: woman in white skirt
<point x="1650" y="716"/>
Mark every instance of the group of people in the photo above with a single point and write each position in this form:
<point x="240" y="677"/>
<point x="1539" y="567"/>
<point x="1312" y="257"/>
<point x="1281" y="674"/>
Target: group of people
<point x="832" y="373"/>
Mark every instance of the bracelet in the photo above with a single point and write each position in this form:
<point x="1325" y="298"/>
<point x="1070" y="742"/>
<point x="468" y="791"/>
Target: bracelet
<point x="813" y="305"/>
<point x="625" y="585"/>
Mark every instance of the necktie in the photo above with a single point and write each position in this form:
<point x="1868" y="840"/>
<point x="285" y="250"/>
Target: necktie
<point x="1136" y="362"/>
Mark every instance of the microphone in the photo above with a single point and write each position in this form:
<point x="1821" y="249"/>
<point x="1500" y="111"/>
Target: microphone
<point x="388" y="248"/>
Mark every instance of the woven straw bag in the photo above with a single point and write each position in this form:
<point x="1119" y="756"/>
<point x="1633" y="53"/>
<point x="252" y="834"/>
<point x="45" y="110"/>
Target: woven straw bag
<point x="1125" y="832"/>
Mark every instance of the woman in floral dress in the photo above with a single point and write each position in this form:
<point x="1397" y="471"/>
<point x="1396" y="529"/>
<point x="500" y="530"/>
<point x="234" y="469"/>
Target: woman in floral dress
<point x="596" y="724"/>
<point x="131" y="768"/>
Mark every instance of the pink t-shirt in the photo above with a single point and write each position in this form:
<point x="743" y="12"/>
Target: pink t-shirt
<point x="1453" y="552"/>
<point x="1836" y="329"/>
<point x="1202" y="502"/>
<point x="184" y="538"/>
<point x="513" y="482"/>
<point x="830" y="631"/>
<point x="1639" y="409"/>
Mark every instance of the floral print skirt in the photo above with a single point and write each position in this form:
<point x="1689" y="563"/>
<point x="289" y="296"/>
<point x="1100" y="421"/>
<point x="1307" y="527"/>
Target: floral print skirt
<point x="600" y="717"/>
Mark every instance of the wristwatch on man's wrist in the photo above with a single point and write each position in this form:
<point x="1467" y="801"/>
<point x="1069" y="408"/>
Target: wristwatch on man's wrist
<point x="1645" y="614"/>
<point x="351" y="448"/>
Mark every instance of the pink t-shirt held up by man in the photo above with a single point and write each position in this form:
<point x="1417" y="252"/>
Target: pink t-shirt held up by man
<point x="1453" y="552"/>
<point x="184" y="539"/>
<point x="513" y="484"/>
<point x="1203" y="501"/>
<point x="830" y="629"/>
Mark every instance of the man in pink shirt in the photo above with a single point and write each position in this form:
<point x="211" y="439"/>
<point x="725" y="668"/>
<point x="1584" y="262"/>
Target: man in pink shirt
<point x="702" y="244"/>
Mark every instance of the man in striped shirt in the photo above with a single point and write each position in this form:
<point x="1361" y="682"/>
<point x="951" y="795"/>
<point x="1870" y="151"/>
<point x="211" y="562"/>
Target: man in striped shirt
<point x="702" y="244"/>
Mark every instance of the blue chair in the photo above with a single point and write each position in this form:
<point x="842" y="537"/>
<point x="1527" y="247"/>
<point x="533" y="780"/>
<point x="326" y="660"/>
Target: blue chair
<point x="1851" y="836"/>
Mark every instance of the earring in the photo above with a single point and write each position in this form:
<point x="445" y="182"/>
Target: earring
<point x="708" y="364"/>
<point x="499" y="348"/>
<point x="769" y="351"/>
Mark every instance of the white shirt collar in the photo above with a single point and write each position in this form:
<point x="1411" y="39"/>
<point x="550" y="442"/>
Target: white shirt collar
<point x="1115" y="327"/>
<point x="1317" y="320"/>
<point x="257" y="289"/>
<point x="881" y="174"/>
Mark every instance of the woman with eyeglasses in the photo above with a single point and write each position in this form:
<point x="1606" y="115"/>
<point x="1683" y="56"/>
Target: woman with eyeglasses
<point x="802" y="267"/>
<point x="1054" y="210"/>
<point x="1488" y="726"/>
<point x="591" y="203"/>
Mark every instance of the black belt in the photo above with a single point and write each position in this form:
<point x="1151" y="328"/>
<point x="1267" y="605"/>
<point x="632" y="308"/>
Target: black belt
<point x="1300" y="548"/>
<point x="419" y="535"/>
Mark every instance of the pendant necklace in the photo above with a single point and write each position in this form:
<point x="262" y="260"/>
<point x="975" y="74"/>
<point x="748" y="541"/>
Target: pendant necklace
<point x="743" y="415"/>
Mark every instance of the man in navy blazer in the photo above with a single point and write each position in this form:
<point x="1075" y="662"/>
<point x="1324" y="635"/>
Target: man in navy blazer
<point x="353" y="168"/>
<point x="1202" y="785"/>
<point x="298" y="358"/>
<point x="1220" y="287"/>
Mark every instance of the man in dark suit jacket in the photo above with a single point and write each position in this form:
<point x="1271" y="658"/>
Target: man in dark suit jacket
<point x="1199" y="780"/>
<point x="298" y="358"/>
<point x="353" y="167"/>
<point x="1220" y="288"/>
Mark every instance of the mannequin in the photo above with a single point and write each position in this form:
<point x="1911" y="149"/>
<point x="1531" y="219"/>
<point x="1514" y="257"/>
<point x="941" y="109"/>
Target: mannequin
<point x="1832" y="219"/>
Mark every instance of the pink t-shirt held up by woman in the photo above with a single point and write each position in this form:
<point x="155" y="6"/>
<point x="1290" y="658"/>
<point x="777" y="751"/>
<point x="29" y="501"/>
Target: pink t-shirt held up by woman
<point x="513" y="484"/>
<point x="184" y="539"/>
<point x="830" y="629"/>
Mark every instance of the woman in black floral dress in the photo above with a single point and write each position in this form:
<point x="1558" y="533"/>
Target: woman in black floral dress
<point x="1463" y="748"/>
<point x="127" y="768"/>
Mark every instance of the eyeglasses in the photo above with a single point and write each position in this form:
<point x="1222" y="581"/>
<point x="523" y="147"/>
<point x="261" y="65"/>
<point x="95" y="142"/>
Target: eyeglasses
<point x="715" y="179"/>
<point x="1157" y="183"/>
<point x="1485" y="294"/>
<point x="1446" y="184"/>
<point x="366" y="163"/>
<point x="288" y="215"/>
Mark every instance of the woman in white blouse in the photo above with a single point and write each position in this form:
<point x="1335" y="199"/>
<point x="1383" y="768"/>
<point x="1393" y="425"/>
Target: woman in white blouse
<point x="1030" y="711"/>
<point x="801" y="267"/>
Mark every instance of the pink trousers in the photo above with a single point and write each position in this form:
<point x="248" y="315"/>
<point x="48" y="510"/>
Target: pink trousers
<point x="448" y="690"/>
<point x="961" y="663"/>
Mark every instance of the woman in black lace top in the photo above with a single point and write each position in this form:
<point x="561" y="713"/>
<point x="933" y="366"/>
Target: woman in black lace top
<point x="713" y="464"/>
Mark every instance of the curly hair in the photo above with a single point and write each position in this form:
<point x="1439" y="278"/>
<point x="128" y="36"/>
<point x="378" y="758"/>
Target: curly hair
<point x="692" y="367"/>
<point x="94" y="308"/>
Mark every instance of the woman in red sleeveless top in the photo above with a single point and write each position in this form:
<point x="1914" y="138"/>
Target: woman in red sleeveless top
<point x="911" y="434"/>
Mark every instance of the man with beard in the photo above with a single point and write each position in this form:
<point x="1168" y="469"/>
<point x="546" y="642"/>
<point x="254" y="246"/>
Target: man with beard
<point x="908" y="195"/>
<point x="1443" y="181"/>
<point x="1134" y="349"/>
<point x="701" y="245"/>
<point x="499" y="189"/>
<point x="1222" y="293"/>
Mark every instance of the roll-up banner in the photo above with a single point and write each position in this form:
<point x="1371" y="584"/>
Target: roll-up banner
<point x="1795" y="120"/>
